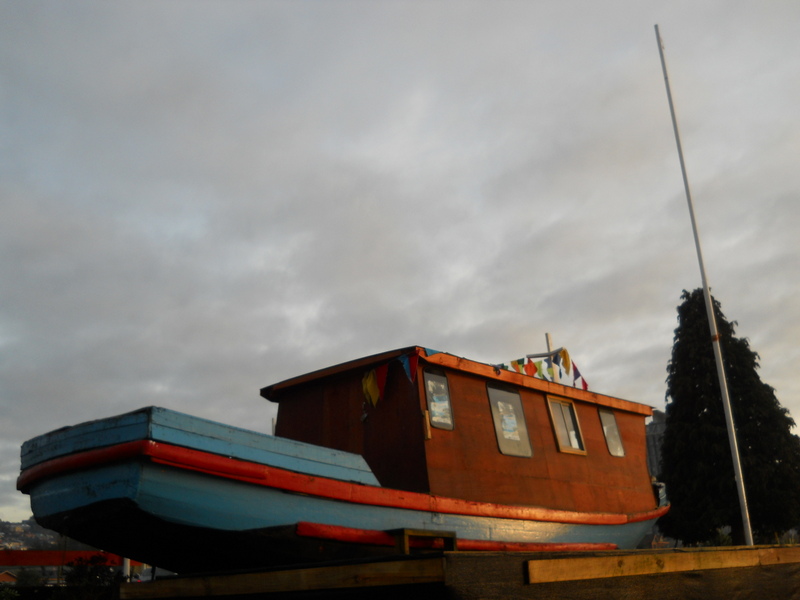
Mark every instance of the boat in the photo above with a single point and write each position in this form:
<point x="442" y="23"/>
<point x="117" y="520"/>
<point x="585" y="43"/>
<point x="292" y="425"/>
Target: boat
<point x="410" y="450"/>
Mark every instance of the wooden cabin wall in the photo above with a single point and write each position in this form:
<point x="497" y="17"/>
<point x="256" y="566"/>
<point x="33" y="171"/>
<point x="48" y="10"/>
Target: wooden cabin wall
<point x="394" y="435"/>
<point x="593" y="482"/>
<point x="326" y="414"/>
<point x="335" y="414"/>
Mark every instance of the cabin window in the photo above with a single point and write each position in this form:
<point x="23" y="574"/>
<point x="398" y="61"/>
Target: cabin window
<point x="438" y="395"/>
<point x="611" y="431"/>
<point x="565" y="424"/>
<point x="509" y="422"/>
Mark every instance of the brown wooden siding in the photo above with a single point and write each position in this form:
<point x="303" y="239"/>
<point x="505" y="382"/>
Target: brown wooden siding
<point x="389" y="435"/>
<point x="596" y="481"/>
<point x="326" y="408"/>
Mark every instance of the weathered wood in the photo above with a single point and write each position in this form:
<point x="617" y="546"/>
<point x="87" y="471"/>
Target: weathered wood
<point x="647" y="563"/>
<point x="711" y="574"/>
<point x="487" y="576"/>
<point x="350" y="576"/>
<point x="328" y="408"/>
<point x="403" y="538"/>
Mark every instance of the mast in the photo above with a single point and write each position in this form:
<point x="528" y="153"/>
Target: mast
<point x="712" y="321"/>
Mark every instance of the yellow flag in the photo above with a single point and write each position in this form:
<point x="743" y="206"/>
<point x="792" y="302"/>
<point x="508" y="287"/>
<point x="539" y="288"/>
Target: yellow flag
<point x="565" y="360"/>
<point x="370" y="385"/>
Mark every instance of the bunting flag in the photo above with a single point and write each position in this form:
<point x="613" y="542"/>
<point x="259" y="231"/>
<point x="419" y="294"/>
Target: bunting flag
<point x="565" y="361"/>
<point x="380" y="377"/>
<point x="560" y="368"/>
<point x="370" y="386"/>
<point x="576" y="375"/>
<point x="374" y="382"/>
<point x="409" y="362"/>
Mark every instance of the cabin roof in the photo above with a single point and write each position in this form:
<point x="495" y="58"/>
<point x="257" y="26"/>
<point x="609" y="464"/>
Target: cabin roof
<point x="276" y="391"/>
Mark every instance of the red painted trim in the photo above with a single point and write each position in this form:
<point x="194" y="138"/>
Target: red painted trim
<point x="381" y="538"/>
<point x="485" y="371"/>
<point x="81" y="460"/>
<point x="332" y="489"/>
<point x="54" y="558"/>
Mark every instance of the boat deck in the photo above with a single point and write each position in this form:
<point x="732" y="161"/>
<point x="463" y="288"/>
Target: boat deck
<point x="708" y="574"/>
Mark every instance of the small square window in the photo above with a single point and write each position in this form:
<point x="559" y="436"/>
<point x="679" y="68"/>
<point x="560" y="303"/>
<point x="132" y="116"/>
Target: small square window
<point x="509" y="422"/>
<point x="611" y="431"/>
<point x="566" y="426"/>
<point x="437" y="393"/>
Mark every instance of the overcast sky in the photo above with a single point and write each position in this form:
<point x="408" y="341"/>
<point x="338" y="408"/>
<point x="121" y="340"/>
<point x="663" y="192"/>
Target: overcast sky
<point x="198" y="199"/>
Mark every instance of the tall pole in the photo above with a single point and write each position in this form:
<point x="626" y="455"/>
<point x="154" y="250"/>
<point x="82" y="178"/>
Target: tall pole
<point x="712" y="321"/>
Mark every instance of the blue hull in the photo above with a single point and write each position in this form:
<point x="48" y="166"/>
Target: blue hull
<point x="166" y="515"/>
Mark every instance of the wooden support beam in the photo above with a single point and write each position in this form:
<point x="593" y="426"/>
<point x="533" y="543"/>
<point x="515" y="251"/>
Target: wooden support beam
<point x="400" y="572"/>
<point x="648" y="563"/>
<point x="403" y="538"/>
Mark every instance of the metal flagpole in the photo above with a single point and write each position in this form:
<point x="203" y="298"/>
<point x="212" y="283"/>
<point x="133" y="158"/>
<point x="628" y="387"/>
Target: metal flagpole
<point x="712" y="321"/>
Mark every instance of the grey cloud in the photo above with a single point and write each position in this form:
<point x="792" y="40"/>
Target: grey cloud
<point x="199" y="200"/>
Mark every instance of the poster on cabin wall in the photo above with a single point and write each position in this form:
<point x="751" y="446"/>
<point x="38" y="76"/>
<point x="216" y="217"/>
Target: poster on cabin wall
<point x="508" y="421"/>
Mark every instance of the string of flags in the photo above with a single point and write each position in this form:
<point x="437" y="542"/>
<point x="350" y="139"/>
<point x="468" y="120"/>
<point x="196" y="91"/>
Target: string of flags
<point x="374" y="382"/>
<point x="558" y="368"/>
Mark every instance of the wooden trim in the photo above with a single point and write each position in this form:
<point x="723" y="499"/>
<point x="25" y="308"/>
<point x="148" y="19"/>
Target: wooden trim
<point x="648" y="563"/>
<point x="442" y="359"/>
<point x="383" y="538"/>
<point x="274" y="391"/>
<point x="81" y="460"/>
<point x="526" y="381"/>
<point x="303" y="483"/>
<point x="562" y="448"/>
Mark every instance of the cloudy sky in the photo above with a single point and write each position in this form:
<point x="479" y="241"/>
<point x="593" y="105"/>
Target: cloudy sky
<point x="201" y="198"/>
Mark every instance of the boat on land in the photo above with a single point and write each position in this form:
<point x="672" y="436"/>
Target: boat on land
<point x="404" y="451"/>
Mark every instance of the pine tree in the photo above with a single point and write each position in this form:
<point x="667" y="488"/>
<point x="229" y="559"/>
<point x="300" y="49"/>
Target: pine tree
<point x="696" y="462"/>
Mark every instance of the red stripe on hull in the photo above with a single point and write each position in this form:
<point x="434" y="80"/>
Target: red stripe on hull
<point x="332" y="489"/>
<point x="381" y="538"/>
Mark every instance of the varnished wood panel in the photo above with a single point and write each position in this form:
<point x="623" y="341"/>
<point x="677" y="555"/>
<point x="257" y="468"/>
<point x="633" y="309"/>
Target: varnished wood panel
<point x="334" y="413"/>
<point x="596" y="481"/>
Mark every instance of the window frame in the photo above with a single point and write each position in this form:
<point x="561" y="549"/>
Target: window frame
<point x="522" y="447"/>
<point x="607" y="411"/>
<point x="561" y="434"/>
<point x="432" y="414"/>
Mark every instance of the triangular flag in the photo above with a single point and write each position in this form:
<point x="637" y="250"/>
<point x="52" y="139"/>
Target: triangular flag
<point x="406" y="366"/>
<point x="565" y="359"/>
<point x="530" y="368"/>
<point x="413" y="361"/>
<point x="576" y="376"/>
<point x="380" y="378"/>
<point x="370" y="386"/>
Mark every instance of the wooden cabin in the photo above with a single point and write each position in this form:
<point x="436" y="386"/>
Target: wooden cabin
<point x="439" y="424"/>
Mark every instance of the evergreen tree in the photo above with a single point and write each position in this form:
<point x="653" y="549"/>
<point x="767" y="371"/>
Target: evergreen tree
<point x="696" y="462"/>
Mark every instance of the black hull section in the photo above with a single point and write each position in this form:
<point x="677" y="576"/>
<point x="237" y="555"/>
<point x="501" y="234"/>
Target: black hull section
<point x="120" y="527"/>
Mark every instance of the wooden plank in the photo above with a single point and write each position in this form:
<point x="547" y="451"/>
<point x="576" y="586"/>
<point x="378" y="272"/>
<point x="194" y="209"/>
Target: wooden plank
<point x="362" y="575"/>
<point x="648" y="563"/>
<point x="779" y="555"/>
<point x="403" y="538"/>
